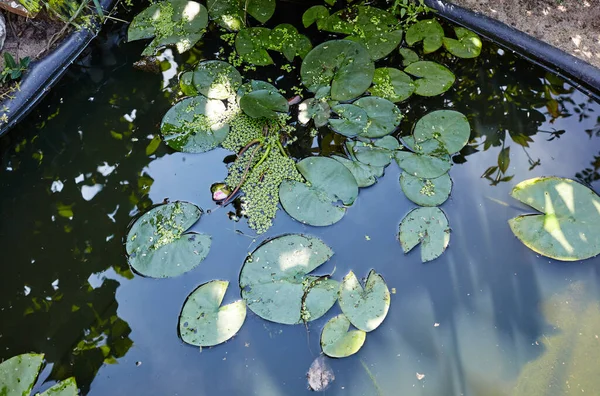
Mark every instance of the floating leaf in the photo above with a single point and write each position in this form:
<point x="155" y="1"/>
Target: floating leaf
<point x="317" y="110"/>
<point x="426" y="192"/>
<point x="186" y="84"/>
<point x="569" y="228"/>
<point x="431" y="147"/>
<point x="383" y="116"/>
<point x="285" y="38"/>
<point x="427" y="226"/>
<point x="468" y="44"/>
<point x="450" y="128"/>
<point x="195" y="125"/>
<point x="365" y="175"/>
<point x="314" y="203"/>
<point x="423" y="166"/>
<point x="157" y="246"/>
<point x="316" y="14"/>
<point x="435" y="78"/>
<point x="408" y="56"/>
<point x="320" y="375"/>
<point x="252" y="44"/>
<point x="342" y="64"/>
<point x="255" y="85"/>
<point x="264" y="103"/>
<point x="173" y="22"/>
<point x="378" y="154"/>
<point x="337" y="341"/>
<point x="216" y="79"/>
<point x="231" y="14"/>
<point x="275" y="282"/>
<point x="67" y="387"/>
<point x="204" y="322"/>
<point x="429" y="31"/>
<point x="365" y="308"/>
<point x="351" y="122"/>
<point x="153" y="145"/>
<point x="392" y="84"/>
<point x="18" y="374"/>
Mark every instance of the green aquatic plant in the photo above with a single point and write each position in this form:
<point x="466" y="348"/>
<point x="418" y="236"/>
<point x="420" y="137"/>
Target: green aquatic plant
<point x="19" y="373"/>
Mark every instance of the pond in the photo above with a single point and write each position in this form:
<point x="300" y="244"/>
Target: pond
<point x="488" y="317"/>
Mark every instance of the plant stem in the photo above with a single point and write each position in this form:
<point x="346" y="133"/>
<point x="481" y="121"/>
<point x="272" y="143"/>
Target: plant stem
<point x="263" y="158"/>
<point x="244" y="175"/>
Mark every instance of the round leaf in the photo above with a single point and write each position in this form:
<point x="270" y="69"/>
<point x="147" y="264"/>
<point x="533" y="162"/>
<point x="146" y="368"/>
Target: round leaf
<point x="426" y="192"/>
<point x="569" y="228"/>
<point x="365" y="308"/>
<point x="383" y="116"/>
<point x="157" y="246"/>
<point x="275" y="282"/>
<point x="67" y="387"/>
<point x="342" y="64"/>
<point x="251" y="44"/>
<point x="431" y="147"/>
<point x="423" y="166"/>
<point x="392" y="84"/>
<point x="195" y="125"/>
<point x="255" y="85"/>
<point x="378" y="154"/>
<point x="427" y="226"/>
<point x="216" y="79"/>
<point x="408" y="56"/>
<point x="429" y="31"/>
<point x="353" y="120"/>
<point x="204" y="322"/>
<point x="365" y="175"/>
<point x="468" y="44"/>
<point x="317" y="110"/>
<point x="186" y="84"/>
<point x="435" y="79"/>
<point x="337" y="341"/>
<point x="264" y="103"/>
<point x="231" y="14"/>
<point x="18" y="374"/>
<point x="314" y="14"/>
<point x="450" y="128"/>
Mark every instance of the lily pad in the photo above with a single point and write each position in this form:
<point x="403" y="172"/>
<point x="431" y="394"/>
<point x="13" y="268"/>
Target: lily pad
<point x="216" y="79"/>
<point x="264" y="103"/>
<point x="365" y="308"/>
<point x="315" y="202"/>
<point x="426" y="192"/>
<point x="383" y="116"/>
<point x="173" y="22"/>
<point x="252" y="44"/>
<point x="429" y="31"/>
<point x="468" y="44"/>
<point x="186" y="84"/>
<point x="568" y="228"/>
<point x="204" y="322"/>
<point x="351" y="122"/>
<point x="18" y="374"/>
<point x="231" y="14"/>
<point x="195" y="125"/>
<point x="430" y="147"/>
<point x="255" y="85"/>
<point x="157" y="245"/>
<point x="320" y="375"/>
<point x="392" y="84"/>
<point x="342" y="64"/>
<point x="276" y="284"/>
<point x="380" y="153"/>
<point x="423" y="166"/>
<point x="435" y="79"/>
<point x="314" y="109"/>
<point x="337" y="341"/>
<point x="67" y="387"/>
<point x="365" y="175"/>
<point x="316" y="14"/>
<point x="408" y="56"/>
<point x="427" y="226"/>
<point x="450" y="128"/>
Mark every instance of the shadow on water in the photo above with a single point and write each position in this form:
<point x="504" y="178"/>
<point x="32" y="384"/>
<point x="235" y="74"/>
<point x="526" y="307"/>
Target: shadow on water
<point x="86" y="161"/>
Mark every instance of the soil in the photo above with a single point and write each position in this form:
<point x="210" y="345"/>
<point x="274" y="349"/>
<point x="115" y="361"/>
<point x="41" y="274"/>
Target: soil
<point x="571" y="25"/>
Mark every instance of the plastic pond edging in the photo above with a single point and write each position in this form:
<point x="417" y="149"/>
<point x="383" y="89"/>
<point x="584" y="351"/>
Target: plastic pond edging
<point x="42" y="75"/>
<point x="581" y="74"/>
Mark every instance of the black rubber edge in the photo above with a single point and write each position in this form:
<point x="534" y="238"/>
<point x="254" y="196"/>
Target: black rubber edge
<point x="45" y="73"/>
<point x="578" y="72"/>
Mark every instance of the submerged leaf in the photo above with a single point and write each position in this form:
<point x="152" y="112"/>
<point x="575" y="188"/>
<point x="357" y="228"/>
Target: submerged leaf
<point x="320" y="375"/>
<point x="408" y="56"/>
<point x="337" y="341"/>
<point x="18" y="374"/>
<point x="429" y="31"/>
<point x="450" y="128"/>
<point x="468" y="44"/>
<point x="216" y="79"/>
<point x="365" y="308"/>
<point x="426" y="192"/>
<point x="435" y="79"/>
<point x="427" y="226"/>
<point x="569" y="228"/>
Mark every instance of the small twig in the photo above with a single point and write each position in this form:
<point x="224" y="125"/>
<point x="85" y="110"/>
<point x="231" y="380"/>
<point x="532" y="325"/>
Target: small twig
<point x="244" y="175"/>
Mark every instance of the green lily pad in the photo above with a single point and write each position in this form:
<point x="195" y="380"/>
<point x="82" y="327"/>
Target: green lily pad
<point x="216" y="79"/>
<point x="380" y="153"/>
<point x="365" y="175"/>
<point x="427" y="226"/>
<point x="408" y="56"/>
<point x="314" y="109"/>
<point x="67" y="387"/>
<point x="365" y="308"/>
<point x="426" y="192"/>
<point x="264" y="103"/>
<point x="255" y="85"/>
<point x="285" y="38"/>
<point x="392" y="84"/>
<point x="157" y="246"/>
<point x="186" y="84"/>
<point x="351" y="122"/>
<point x="231" y="14"/>
<point x="195" y="125"/>
<point x="314" y="202"/>
<point x="204" y="322"/>
<point x="252" y="44"/>
<point x="383" y="116"/>
<point x="468" y="44"/>
<point x="435" y="79"/>
<point x="421" y="165"/>
<point x="316" y="14"/>
<point x="429" y="31"/>
<point x="276" y="284"/>
<point x="450" y="128"/>
<point x="568" y="228"/>
<point x="337" y="341"/>
<point x="173" y="22"/>
<point x="18" y="374"/>
<point x="430" y="147"/>
<point x="342" y="64"/>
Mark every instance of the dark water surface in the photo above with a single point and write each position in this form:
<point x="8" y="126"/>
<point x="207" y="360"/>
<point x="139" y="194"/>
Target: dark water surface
<point x="76" y="171"/>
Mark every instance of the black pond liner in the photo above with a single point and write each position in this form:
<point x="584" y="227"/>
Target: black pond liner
<point x="579" y="73"/>
<point x="43" y="74"/>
